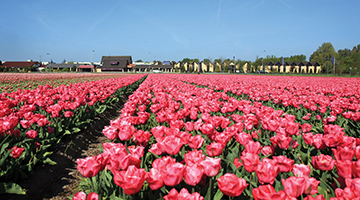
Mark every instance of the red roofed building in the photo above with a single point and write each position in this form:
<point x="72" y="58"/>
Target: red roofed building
<point x="19" y="65"/>
<point x="86" y="68"/>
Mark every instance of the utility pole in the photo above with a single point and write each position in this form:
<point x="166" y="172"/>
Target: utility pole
<point x="262" y="62"/>
<point x="50" y="59"/>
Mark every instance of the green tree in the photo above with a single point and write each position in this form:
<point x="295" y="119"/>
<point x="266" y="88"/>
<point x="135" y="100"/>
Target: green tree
<point x="355" y="62"/>
<point x="64" y="61"/>
<point x="343" y="61"/>
<point x="323" y="55"/>
<point x="139" y="60"/>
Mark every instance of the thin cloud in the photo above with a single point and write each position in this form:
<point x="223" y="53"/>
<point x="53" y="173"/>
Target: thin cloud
<point x="219" y="12"/>
<point x="286" y="4"/>
<point x="156" y="22"/>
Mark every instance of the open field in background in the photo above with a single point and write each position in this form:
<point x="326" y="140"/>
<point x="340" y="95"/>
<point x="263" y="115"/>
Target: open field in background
<point x="207" y="136"/>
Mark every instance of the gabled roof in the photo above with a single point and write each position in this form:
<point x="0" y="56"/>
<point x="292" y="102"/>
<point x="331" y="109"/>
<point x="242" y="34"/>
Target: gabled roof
<point x="86" y="66"/>
<point x="116" y="61"/>
<point x="315" y="64"/>
<point x="17" y="64"/>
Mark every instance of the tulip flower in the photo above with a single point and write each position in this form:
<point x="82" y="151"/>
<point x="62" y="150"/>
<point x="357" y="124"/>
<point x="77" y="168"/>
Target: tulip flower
<point x="294" y="186"/>
<point x="301" y="170"/>
<point x="323" y="162"/>
<point x="193" y="174"/>
<point x="211" y="166"/>
<point x="17" y="151"/>
<point x="183" y="194"/>
<point x="31" y="134"/>
<point x="214" y="149"/>
<point x="231" y="185"/>
<point x="130" y="180"/>
<point x="267" y="171"/>
<point x="268" y="192"/>
<point x="155" y="179"/>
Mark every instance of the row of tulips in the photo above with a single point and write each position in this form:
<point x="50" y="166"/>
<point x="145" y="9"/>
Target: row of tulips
<point x="315" y="94"/>
<point x="10" y="82"/>
<point x="172" y="136"/>
<point x="315" y="101"/>
<point x="32" y="122"/>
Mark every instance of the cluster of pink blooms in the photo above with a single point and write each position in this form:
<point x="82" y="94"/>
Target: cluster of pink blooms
<point x="187" y="110"/>
<point x="41" y="105"/>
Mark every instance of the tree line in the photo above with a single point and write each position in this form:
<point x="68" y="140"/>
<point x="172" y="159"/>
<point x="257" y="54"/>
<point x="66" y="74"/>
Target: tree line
<point x="346" y="61"/>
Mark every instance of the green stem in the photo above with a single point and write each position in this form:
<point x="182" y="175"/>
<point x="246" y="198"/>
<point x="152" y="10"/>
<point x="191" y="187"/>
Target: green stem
<point x="124" y="195"/>
<point x="210" y="188"/>
<point x="92" y="185"/>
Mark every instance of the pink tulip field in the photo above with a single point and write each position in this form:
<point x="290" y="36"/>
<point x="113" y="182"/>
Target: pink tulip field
<point x="184" y="136"/>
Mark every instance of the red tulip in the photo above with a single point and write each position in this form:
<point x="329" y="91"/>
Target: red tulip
<point x="211" y="166"/>
<point x="183" y="194"/>
<point x="355" y="169"/>
<point x="193" y="157"/>
<point x="285" y="164"/>
<point x="189" y="126"/>
<point x="343" y="153"/>
<point x="292" y="128"/>
<point x="250" y="161"/>
<point x="93" y="196"/>
<point x="193" y="174"/>
<point x="142" y="137"/>
<point x="237" y="163"/>
<point x="268" y="150"/>
<point x="172" y="144"/>
<point x="281" y="141"/>
<point x="17" y="151"/>
<point x="214" y="149"/>
<point x="126" y="132"/>
<point x="195" y="142"/>
<point x="243" y="138"/>
<point x="207" y="129"/>
<point x="31" y="134"/>
<point x="344" y="168"/>
<point x="90" y="166"/>
<point x="110" y="132"/>
<point x="301" y="170"/>
<point x="155" y="179"/>
<point x="267" y="171"/>
<point x="130" y="180"/>
<point x="173" y="174"/>
<point x="323" y="162"/>
<point x="231" y="185"/>
<point x="163" y="162"/>
<point x="68" y="114"/>
<point x="79" y="196"/>
<point x="294" y="186"/>
<point x="268" y="192"/>
<point x="253" y="147"/>
<point x="311" y="185"/>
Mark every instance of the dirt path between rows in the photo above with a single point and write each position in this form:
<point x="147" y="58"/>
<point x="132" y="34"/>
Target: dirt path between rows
<point x="60" y="181"/>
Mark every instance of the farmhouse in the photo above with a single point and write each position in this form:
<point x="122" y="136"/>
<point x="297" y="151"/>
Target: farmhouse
<point x="116" y="63"/>
<point x="21" y="65"/>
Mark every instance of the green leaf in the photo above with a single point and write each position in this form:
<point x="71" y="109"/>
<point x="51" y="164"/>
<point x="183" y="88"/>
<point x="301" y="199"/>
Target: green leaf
<point x="101" y="109"/>
<point x="49" y="161"/>
<point x="76" y="130"/>
<point x="4" y="158"/>
<point x="218" y="195"/>
<point x="11" y="188"/>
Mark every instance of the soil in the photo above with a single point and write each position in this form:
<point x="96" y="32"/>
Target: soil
<point x="61" y="180"/>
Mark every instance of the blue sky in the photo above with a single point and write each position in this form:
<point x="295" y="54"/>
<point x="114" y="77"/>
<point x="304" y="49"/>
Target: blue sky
<point x="173" y="29"/>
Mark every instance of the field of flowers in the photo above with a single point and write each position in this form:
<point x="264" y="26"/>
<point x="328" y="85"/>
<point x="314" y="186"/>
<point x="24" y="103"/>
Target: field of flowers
<point x="230" y="137"/>
<point x="33" y="121"/>
<point x="193" y="136"/>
